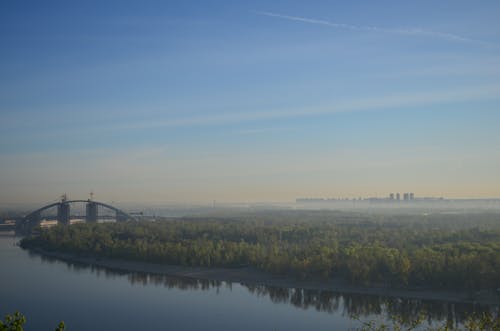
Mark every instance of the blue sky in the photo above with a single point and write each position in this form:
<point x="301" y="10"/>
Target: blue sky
<point x="187" y="101"/>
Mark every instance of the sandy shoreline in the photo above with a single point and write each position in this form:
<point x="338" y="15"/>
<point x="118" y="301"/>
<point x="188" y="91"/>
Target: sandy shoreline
<point x="251" y="276"/>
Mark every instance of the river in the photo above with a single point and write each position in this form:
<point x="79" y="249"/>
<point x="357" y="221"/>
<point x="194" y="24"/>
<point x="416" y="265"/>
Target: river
<point x="89" y="298"/>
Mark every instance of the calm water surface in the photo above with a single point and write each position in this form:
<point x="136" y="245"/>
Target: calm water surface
<point x="89" y="298"/>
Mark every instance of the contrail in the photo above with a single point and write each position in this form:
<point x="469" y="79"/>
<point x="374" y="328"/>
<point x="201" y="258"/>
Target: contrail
<point x="410" y="32"/>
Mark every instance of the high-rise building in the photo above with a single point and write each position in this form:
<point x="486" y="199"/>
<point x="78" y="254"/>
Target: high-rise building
<point x="406" y="196"/>
<point x="412" y="196"/>
<point x="391" y="196"/>
<point x="398" y="196"/>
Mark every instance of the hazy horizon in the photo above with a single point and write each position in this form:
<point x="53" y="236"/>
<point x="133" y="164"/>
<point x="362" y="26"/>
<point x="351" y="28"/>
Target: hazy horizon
<point x="176" y="102"/>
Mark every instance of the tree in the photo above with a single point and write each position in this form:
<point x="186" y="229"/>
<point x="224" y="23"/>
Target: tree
<point x="16" y="321"/>
<point x="13" y="322"/>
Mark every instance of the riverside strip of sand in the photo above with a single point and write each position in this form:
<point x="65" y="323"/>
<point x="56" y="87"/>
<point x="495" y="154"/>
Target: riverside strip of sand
<point x="249" y="275"/>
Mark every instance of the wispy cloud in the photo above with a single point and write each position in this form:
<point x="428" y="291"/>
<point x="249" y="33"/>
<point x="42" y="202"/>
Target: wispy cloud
<point x="368" y="104"/>
<point x="400" y="31"/>
<point x="258" y="131"/>
<point x="396" y="101"/>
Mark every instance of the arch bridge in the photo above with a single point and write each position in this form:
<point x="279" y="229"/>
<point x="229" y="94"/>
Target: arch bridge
<point x="64" y="212"/>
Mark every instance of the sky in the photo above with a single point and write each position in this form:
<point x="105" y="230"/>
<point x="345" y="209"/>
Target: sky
<point x="248" y="101"/>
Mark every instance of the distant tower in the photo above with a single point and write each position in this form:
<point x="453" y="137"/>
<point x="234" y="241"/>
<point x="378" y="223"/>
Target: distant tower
<point x="391" y="196"/>
<point x="398" y="196"/>
<point x="412" y="196"/>
<point x="406" y="196"/>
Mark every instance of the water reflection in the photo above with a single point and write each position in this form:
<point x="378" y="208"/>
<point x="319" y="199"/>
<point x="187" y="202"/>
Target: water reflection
<point x="360" y="305"/>
<point x="347" y="304"/>
<point x="137" y="278"/>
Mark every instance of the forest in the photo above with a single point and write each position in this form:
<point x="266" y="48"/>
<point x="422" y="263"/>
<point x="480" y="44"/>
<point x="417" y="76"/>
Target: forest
<point x="457" y="251"/>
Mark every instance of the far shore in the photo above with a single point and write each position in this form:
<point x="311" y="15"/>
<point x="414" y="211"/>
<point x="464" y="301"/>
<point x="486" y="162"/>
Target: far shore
<point x="252" y="276"/>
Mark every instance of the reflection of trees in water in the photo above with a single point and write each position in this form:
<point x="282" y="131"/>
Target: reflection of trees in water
<point x="359" y="305"/>
<point x="452" y="313"/>
<point x="352" y="305"/>
<point x="140" y="278"/>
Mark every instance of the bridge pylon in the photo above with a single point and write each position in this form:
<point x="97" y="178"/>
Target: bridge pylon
<point x="91" y="212"/>
<point x="63" y="213"/>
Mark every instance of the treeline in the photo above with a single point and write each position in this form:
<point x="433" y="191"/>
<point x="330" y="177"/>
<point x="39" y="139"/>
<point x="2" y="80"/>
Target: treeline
<point x="16" y="321"/>
<point x="474" y="322"/>
<point x="364" y="252"/>
<point x="483" y="322"/>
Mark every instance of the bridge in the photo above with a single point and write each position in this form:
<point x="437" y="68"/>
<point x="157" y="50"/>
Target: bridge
<point x="64" y="212"/>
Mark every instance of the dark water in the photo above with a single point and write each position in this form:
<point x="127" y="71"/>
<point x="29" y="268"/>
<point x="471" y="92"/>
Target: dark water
<point x="89" y="298"/>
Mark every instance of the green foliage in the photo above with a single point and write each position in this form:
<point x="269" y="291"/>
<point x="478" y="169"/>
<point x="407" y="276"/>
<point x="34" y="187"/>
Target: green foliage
<point x="61" y="326"/>
<point x="16" y="321"/>
<point x="13" y="322"/>
<point x="414" y="252"/>
<point x="483" y="322"/>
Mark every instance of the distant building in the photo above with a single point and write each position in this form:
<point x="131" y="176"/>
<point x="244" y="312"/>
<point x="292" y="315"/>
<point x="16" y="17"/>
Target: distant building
<point x="391" y="196"/>
<point x="406" y="196"/>
<point x="398" y="196"/>
<point x="412" y="196"/>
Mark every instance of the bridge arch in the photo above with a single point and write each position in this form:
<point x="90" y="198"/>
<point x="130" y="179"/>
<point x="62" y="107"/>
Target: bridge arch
<point x="63" y="211"/>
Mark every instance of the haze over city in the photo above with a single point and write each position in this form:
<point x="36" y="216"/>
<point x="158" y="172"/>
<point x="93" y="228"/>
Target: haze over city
<point x="248" y="101"/>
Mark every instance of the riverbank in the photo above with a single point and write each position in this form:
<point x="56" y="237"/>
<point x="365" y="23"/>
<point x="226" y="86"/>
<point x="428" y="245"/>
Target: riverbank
<point x="251" y="276"/>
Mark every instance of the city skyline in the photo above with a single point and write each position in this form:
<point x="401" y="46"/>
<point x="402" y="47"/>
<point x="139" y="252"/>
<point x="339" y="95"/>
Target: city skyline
<point x="175" y="102"/>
